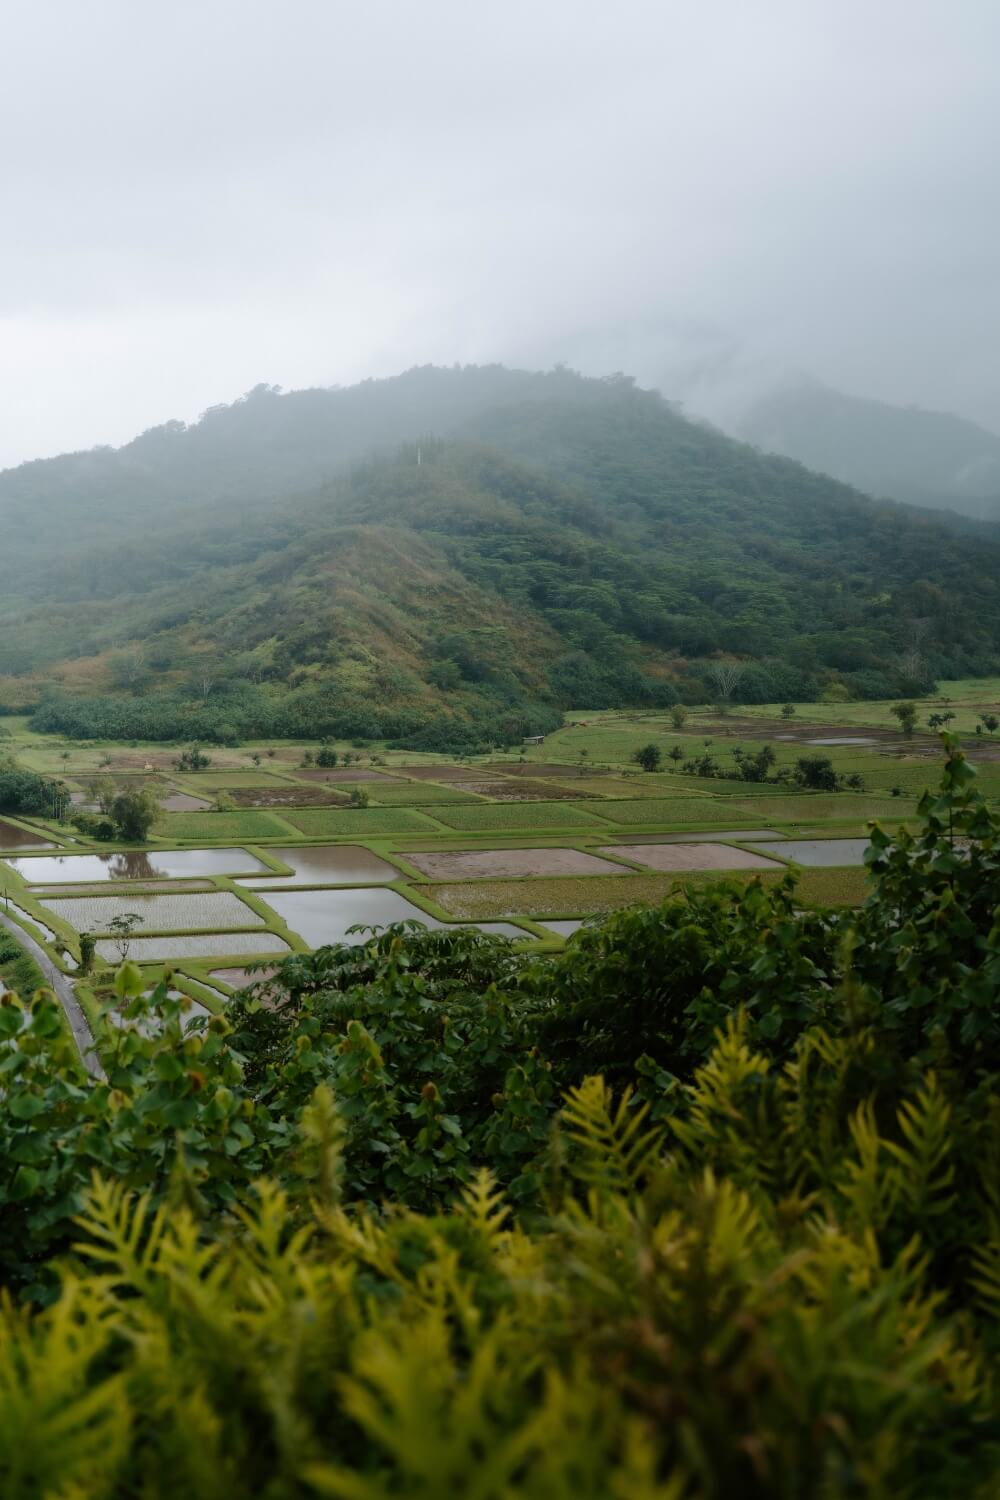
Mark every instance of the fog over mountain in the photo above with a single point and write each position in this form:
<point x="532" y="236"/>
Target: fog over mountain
<point x="204" y="196"/>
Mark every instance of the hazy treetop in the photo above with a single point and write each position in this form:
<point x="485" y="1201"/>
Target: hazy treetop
<point x="202" y="195"/>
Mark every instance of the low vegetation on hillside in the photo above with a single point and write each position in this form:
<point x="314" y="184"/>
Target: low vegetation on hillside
<point x="705" y="1205"/>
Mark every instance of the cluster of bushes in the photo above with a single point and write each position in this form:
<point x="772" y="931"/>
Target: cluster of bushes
<point x="704" y="1205"/>
<point x="230" y="716"/>
<point x="124" y="812"/>
<point x="26" y="792"/>
<point x="814" y="773"/>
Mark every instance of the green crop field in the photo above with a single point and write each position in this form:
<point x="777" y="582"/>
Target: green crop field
<point x="218" y="827"/>
<point x="414" y="793"/>
<point x="364" y="822"/>
<point x="500" y="817"/>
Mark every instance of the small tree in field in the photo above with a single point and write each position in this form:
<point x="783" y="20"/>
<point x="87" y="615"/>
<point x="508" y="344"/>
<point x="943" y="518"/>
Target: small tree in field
<point x="990" y="723"/>
<point x="359" y="797"/>
<point x="788" y="710"/>
<point x="678" y="716"/>
<point x="134" y="813"/>
<point x="122" y="929"/>
<point x="906" y="713"/>
<point x="940" y="721"/>
<point x="88" y="947"/>
<point x="648" y="758"/>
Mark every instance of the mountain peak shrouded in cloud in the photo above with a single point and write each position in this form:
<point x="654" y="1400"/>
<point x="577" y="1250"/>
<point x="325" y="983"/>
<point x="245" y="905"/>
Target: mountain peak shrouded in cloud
<point x="206" y="193"/>
<point x="925" y="458"/>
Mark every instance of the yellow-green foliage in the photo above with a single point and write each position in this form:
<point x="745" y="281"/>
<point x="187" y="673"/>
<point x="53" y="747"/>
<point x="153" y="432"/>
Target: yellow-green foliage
<point x="689" y="1320"/>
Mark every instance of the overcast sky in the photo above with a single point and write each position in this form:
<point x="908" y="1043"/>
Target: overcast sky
<point x="198" y="195"/>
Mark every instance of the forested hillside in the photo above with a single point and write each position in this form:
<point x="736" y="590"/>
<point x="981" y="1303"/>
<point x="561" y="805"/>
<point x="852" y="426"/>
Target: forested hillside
<point x="455" y="556"/>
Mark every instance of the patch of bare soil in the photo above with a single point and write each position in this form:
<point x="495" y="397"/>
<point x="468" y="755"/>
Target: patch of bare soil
<point x="486" y="864"/>
<point x="287" y="796"/>
<point x="445" y="773"/>
<point x="690" y="857"/>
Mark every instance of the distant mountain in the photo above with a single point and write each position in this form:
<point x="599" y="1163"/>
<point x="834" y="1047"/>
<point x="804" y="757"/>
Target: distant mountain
<point x="454" y="555"/>
<point x="926" y="458"/>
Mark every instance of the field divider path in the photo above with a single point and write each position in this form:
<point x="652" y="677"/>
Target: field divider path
<point x="63" y="990"/>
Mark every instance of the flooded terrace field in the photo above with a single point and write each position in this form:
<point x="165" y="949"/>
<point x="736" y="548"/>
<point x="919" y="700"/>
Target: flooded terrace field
<point x="321" y="917"/>
<point x="135" y="864"/>
<point x="12" y="837"/>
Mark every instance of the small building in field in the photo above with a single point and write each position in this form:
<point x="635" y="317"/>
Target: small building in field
<point x="534" y="739"/>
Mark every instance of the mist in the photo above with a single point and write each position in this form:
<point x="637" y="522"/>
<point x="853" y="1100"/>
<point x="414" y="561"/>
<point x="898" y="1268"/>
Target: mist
<point x="204" y="196"/>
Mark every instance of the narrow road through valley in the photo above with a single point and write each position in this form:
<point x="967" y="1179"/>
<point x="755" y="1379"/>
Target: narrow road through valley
<point x="58" y="982"/>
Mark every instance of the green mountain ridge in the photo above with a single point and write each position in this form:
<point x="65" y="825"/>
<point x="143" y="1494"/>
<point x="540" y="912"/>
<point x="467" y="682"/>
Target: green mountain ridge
<point x="456" y="555"/>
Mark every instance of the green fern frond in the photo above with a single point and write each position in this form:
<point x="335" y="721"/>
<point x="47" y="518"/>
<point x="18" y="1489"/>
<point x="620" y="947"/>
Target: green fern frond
<point x="482" y="1203"/>
<point x="614" y="1151"/>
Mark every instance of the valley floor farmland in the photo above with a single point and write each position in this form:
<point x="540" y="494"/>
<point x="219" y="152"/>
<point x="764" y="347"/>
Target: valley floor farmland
<point x="528" y="843"/>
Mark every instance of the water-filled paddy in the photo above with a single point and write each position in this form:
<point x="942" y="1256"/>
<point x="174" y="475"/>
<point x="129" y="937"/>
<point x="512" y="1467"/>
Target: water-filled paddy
<point x="214" y="909"/>
<point x="183" y="802"/>
<point x="326" y="864"/>
<point x="194" y="945"/>
<point x="485" y="864"/>
<point x="134" y="864"/>
<point x="19" y="838"/>
<point x="238" y="979"/>
<point x="322" y="917"/>
<point x="563" y="927"/>
<point x="691" y="857"/>
<point x="820" y="851"/>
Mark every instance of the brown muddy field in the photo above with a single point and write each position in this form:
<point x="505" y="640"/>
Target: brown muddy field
<point x="521" y="791"/>
<point x="446" y="773"/>
<point x="485" y="864"/>
<point x="679" y="857"/>
<point x="287" y="796"/>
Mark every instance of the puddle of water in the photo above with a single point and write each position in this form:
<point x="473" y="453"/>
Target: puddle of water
<point x="201" y="945"/>
<point x="133" y="864"/>
<point x="845" y="739"/>
<point x="20" y="838"/>
<point x="326" y="864"/>
<point x="820" y="851"/>
<point x="323" y="917"/>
